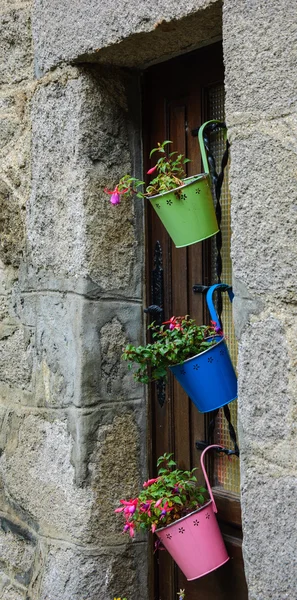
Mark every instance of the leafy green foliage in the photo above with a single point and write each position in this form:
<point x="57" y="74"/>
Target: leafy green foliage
<point x="169" y="174"/>
<point x="170" y="171"/>
<point x="163" y="500"/>
<point x="172" y="345"/>
<point x="128" y="185"/>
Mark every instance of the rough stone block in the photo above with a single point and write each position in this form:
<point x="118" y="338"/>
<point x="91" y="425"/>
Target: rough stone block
<point x="244" y="306"/>
<point x="16" y="355"/>
<point x="10" y="591"/>
<point x="17" y="551"/>
<point x="7" y="131"/>
<point x="37" y="458"/>
<point x="270" y="535"/>
<point x="263" y="376"/>
<point x="3" y="308"/>
<point x="267" y="427"/>
<point x="74" y="232"/>
<point x="59" y="29"/>
<point x="16" y="53"/>
<point x="55" y="218"/>
<point x="260" y="59"/>
<point x="117" y="469"/>
<point x="8" y="277"/>
<point x="43" y="461"/>
<point x="78" y="574"/>
<point x="15" y="143"/>
<point x="13" y="113"/>
<point x="38" y="475"/>
<point x="264" y="207"/>
<point x="79" y="343"/>
<point x="106" y="328"/>
<point x="11" y="227"/>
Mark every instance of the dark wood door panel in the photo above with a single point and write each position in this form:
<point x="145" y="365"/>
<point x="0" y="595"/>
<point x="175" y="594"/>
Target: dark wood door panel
<point x="174" y="104"/>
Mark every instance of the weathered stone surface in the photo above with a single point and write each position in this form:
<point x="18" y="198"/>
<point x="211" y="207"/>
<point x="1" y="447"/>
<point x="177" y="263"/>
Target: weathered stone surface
<point x="41" y="462"/>
<point x="117" y="462"/>
<point x="261" y="115"/>
<point x="260" y="60"/>
<point x="244" y="305"/>
<point x="60" y="29"/>
<point x="7" y="276"/>
<point x="16" y="52"/>
<point x="39" y="477"/>
<point x="111" y="142"/>
<point x="3" y="307"/>
<point x="16" y="144"/>
<point x="269" y="506"/>
<point x="11" y="227"/>
<point x="78" y="347"/>
<point x="63" y="472"/>
<point x="74" y="232"/>
<point x="15" y="167"/>
<point x="16" y="355"/>
<point x="78" y="574"/>
<point x="55" y="212"/>
<point x="17" y="551"/>
<point x="7" y="131"/>
<point x="263" y="372"/>
<point x="9" y="591"/>
<point x="264" y="207"/>
<point x="13" y="116"/>
<point x="267" y="388"/>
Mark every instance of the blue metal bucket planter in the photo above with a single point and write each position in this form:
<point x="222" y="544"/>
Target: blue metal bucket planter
<point x="209" y="378"/>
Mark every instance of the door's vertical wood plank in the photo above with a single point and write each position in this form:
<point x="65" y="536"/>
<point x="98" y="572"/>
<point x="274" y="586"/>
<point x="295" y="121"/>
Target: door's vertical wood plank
<point x="177" y="125"/>
<point x="195" y="269"/>
<point x="178" y="122"/>
<point x="161" y="416"/>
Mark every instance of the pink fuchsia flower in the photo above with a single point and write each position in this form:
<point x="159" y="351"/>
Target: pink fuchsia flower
<point x="115" y="198"/>
<point x="129" y="526"/>
<point x="158" y="546"/>
<point x="115" y="195"/>
<point x="153" y="527"/>
<point x="166" y="508"/>
<point x="174" y="323"/>
<point x="152" y="170"/>
<point x="145" y="507"/>
<point x="128" y="507"/>
<point x="158" y="502"/>
<point x="150" y="482"/>
<point x="216" y="327"/>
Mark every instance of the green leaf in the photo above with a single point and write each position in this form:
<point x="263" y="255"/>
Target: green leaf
<point x="177" y="500"/>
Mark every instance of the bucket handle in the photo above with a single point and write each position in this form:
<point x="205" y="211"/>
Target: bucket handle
<point x="224" y="287"/>
<point x="202" y="145"/>
<point x="205" y="474"/>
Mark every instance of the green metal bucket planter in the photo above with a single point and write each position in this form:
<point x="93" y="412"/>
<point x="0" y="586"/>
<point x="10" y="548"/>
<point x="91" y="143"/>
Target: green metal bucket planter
<point x="188" y="212"/>
<point x="190" y="217"/>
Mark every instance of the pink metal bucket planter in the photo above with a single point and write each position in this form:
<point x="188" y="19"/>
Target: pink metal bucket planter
<point x="195" y="541"/>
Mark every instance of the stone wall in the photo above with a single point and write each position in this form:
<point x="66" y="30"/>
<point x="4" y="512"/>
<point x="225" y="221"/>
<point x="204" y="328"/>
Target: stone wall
<point x="262" y="120"/>
<point x="126" y="32"/>
<point x="73" y="424"/>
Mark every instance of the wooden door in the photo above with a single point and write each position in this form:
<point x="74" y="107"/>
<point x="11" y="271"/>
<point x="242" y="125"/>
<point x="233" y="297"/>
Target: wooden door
<point x="178" y="96"/>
